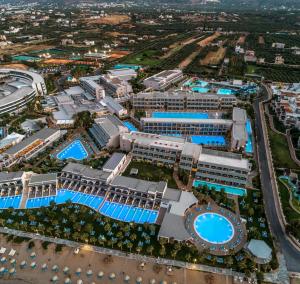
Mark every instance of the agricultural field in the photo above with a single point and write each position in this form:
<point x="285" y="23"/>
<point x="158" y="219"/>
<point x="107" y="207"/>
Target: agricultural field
<point x="214" y="57"/>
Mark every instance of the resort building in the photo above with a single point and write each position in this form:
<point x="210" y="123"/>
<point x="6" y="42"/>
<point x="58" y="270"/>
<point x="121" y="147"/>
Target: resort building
<point x="287" y="104"/>
<point x="12" y="183"/>
<point x="210" y="165"/>
<point x="30" y="146"/>
<point x="18" y="88"/>
<point x="10" y="140"/>
<point x="90" y="85"/>
<point x="40" y="185"/>
<point x="239" y="134"/>
<point x="106" y="131"/>
<point x="163" y="79"/>
<point x="114" y="107"/>
<point x="186" y="126"/>
<point x="114" y="86"/>
<point x="115" y="164"/>
<point x="182" y="100"/>
<point x="124" y="74"/>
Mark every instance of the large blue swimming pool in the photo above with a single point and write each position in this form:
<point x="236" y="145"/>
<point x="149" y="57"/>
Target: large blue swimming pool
<point x="130" y="126"/>
<point x="226" y="92"/>
<point x="200" y="90"/>
<point x="214" y="228"/>
<point x="75" y="151"/>
<point x="249" y="146"/>
<point x="218" y="187"/>
<point x="208" y="140"/>
<point x="187" y="115"/>
<point x="10" y="202"/>
<point x="122" y="212"/>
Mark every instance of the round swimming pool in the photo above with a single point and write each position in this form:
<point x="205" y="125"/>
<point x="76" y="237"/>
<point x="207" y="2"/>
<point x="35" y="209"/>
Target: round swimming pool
<point x="213" y="228"/>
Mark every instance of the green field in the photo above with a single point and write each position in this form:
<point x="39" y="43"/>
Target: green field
<point x="280" y="151"/>
<point x="145" y="58"/>
<point x="151" y="172"/>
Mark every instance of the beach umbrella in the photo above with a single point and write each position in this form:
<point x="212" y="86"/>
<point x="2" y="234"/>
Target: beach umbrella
<point x="54" y="278"/>
<point x="79" y="281"/>
<point x="67" y="281"/>
<point x="139" y="280"/>
<point x="2" y="270"/>
<point x="78" y="271"/>
<point x="100" y="274"/>
<point x="126" y="278"/>
<point x="23" y="264"/>
<point x="33" y="255"/>
<point x="112" y="275"/>
<point x="152" y="281"/>
<point x="55" y="268"/>
<point x="89" y="272"/>
<point x="163" y="282"/>
<point x="44" y="266"/>
<point x="66" y="269"/>
<point x="3" y="259"/>
<point x="33" y="265"/>
<point x="13" y="261"/>
<point x="12" y="271"/>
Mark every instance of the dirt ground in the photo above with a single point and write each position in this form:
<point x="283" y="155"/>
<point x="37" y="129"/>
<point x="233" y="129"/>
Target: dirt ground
<point x="119" y="54"/>
<point x="188" y="60"/>
<point x="261" y="40"/>
<point x="15" y="66"/>
<point x="209" y="39"/>
<point x="87" y="260"/>
<point x="110" y="20"/>
<point x="214" y="58"/>
<point x="241" y="39"/>
<point x="22" y="48"/>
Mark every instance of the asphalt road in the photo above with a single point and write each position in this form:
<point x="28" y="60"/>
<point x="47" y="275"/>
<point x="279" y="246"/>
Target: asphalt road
<point x="291" y="254"/>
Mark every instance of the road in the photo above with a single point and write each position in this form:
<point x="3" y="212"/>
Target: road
<point x="291" y="254"/>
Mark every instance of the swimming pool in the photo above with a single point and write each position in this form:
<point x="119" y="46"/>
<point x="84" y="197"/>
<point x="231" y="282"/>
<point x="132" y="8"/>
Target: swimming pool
<point x="10" y="202"/>
<point x="208" y="140"/>
<point x="196" y="83"/>
<point x="130" y="126"/>
<point x="200" y="90"/>
<point x="249" y="146"/>
<point x="218" y="187"/>
<point x="226" y="92"/>
<point x="129" y="66"/>
<point x="75" y="151"/>
<point x="188" y="115"/>
<point x="214" y="228"/>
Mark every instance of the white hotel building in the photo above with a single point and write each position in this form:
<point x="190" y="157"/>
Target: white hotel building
<point x="215" y="166"/>
<point x="182" y="100"/>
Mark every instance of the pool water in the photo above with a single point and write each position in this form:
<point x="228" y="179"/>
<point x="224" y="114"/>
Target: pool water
<point x="249" y="146"/>
<point x="208" y="140"/>
<point x="226" y="92"/>
<point x="130" y="126"/>
<point x="213" y="228"/>
<point x="200" y="90"/>
<point x="129" y="66"/>
<point x="10" y="202"/>
<point x="75" y="151"/>
<point x="183" y="115"/>
<point x="218" y="187"/>
<point x="122" y="212"/>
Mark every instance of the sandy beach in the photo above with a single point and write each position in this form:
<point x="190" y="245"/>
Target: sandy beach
<point x="95" y="262"/>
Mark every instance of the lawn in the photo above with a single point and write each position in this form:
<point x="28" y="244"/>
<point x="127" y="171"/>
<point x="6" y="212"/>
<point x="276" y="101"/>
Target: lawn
<point x="147" y="58"/>
<point x="151" y="172"/>
<point x="290" y="214"/>
<point x="280" y="151"/>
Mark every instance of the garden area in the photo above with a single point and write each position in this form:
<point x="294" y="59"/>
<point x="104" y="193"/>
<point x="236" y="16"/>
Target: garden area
<point x="151" y="172"/>
<point x="280" y="151"/>
<point x="81" y="224"/>
<point x="292" y="217"/>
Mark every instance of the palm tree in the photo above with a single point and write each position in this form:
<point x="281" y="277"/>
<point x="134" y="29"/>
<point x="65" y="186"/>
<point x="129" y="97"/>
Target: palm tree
<point x="150" y="249"/>
<point x="174" y="253"/>
<point x="162" y="251"/>
<point x="129" y="246"/>
<point x="120" y="245"/>
<point x="133" y="237"/>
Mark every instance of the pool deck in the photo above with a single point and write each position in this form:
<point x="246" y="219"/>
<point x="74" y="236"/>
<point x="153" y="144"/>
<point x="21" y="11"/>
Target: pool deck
<point x="235" y="244"/>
